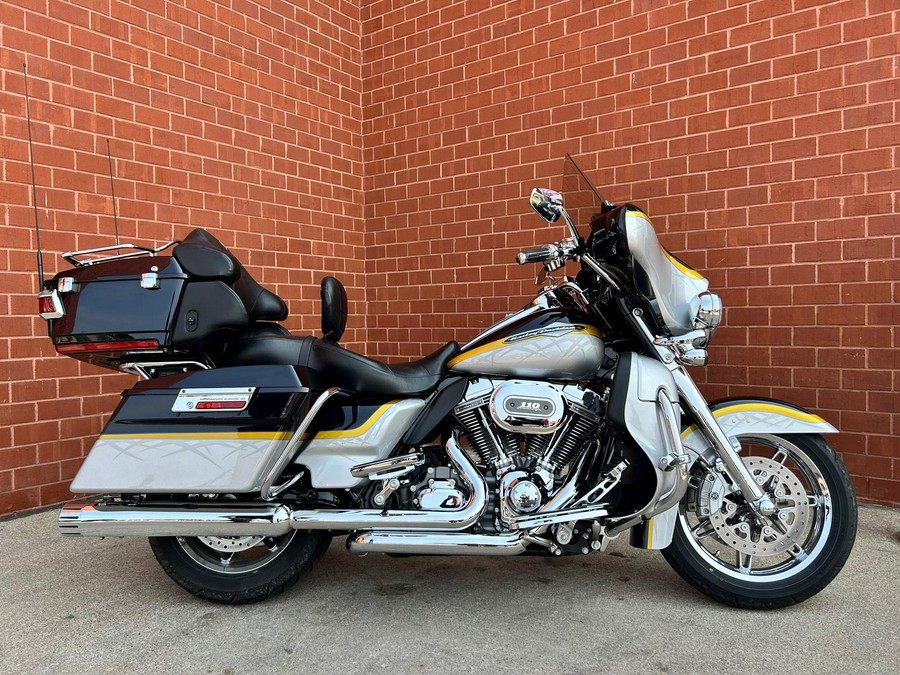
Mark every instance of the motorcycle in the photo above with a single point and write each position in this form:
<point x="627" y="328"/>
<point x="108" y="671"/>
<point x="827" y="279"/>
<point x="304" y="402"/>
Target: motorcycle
<point x="244" y="449"/>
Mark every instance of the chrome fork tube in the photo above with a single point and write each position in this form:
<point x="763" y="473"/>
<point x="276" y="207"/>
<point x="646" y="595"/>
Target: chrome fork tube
<point x="694" y="401"/>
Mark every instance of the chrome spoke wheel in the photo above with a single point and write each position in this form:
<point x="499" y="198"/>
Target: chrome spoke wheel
<point x="737" y="541"/>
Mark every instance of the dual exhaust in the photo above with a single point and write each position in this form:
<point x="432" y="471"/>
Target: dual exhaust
<point x="384" y="531"/>
<point x="397" y="531"/>
<point x="388" y="531"/>
<point x="104" y="518"/>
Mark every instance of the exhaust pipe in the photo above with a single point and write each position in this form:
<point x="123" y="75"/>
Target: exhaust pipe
<point x="109" y="519"/>
<point x="425" y="543"/>
<point x="98" y="518"/>
<point x="368" y="519"/>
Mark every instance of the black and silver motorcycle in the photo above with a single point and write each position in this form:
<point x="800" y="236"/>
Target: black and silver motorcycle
<point x="244" y="449"/>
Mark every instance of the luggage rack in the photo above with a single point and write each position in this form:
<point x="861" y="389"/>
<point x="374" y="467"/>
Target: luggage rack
<point x="135" y="251"/>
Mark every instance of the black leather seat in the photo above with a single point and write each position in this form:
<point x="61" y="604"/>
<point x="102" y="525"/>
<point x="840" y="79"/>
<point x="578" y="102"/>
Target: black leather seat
<point x="329" y="365"/>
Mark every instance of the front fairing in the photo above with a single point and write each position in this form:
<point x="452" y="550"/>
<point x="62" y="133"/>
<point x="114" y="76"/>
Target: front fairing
<point x="675" y="287"/>
<point x="624" y="237"/>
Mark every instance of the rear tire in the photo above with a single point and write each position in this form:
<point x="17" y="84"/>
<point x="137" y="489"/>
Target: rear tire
<point x="239" y="570"/>
<point x="724" y="550"/>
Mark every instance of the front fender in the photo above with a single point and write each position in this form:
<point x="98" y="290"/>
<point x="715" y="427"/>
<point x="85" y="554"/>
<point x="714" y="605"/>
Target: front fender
<point x="757" y="415"/>
<point x="736" y="416"/>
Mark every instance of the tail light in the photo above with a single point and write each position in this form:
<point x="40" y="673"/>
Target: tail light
<point x="122" y="346"/>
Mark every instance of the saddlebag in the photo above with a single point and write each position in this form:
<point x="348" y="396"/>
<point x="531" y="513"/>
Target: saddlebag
<point x="207" y="431"/>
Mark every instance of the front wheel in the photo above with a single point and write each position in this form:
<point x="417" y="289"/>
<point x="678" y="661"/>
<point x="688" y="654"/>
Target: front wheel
<point x="238" y="570"/>
<point x="736" y="556"/>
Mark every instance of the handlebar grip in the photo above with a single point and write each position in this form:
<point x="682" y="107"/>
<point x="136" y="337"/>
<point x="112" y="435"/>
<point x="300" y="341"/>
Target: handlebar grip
<point x="537" y="255"/>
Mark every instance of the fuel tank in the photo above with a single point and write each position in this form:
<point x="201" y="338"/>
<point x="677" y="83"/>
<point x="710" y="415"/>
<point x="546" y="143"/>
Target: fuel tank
<point x="544" y="343"/>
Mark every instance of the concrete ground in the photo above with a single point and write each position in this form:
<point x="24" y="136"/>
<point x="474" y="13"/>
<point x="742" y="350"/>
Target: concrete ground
<point x="86" y="605"/>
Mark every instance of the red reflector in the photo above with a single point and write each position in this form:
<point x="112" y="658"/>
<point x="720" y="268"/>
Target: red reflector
<point x="45" y="304"/>
<point x="107" y="346"/>
<point x="221" y="405"/>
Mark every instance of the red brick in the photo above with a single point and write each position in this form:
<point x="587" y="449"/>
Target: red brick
<point x="759" y="134"/>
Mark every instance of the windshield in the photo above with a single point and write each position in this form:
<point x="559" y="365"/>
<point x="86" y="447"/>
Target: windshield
<point x="672" y="287"/>
<point x="582" y="198"/>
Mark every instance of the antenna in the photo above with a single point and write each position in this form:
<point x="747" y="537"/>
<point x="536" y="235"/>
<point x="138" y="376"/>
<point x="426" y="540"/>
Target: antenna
<point x="112" y="189"/>
<point x="37" y="230"/>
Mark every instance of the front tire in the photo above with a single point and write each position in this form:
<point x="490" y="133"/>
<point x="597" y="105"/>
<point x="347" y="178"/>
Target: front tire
<point x="725" y="550"/>
<point x="239" y="570"/>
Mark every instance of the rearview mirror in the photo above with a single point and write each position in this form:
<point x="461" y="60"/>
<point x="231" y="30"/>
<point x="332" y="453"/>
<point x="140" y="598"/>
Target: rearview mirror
<point x="547" y="204"/>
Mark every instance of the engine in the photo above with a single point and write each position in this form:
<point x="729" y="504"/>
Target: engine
<point x="526" y="433"/>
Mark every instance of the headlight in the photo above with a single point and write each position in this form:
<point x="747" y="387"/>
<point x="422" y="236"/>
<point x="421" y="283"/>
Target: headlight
<point x="709" y="315"/>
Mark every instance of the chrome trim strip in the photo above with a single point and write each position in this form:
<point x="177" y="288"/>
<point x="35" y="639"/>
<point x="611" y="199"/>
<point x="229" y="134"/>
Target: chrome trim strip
<point x="551" y="517"/>
<point x="290" y="448"/>
<point x="426" y="543"/>
<point x="142" y="369"/>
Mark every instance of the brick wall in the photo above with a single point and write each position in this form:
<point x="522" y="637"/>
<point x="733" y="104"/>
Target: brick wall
<point x="405" y="136"/>
<point x="760" y="136"/>
<point x="240" y="117"/>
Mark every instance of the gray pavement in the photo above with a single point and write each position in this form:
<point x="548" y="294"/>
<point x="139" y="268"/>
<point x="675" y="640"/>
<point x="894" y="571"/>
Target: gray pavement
<point x="86" y="605"/>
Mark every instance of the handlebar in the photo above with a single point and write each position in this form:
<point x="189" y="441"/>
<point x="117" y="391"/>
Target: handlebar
<point x="541" y="254"/>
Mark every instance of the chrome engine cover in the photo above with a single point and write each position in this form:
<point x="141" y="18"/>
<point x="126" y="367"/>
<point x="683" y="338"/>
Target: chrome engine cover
<point x="441" y="495"/>
<point x="528" y="407"/>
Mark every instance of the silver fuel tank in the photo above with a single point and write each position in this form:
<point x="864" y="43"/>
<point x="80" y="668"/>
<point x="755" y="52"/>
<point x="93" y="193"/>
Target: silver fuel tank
<point x="553" y="344"/>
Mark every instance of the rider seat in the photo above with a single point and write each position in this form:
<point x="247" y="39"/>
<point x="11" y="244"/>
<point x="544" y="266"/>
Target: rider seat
<point x="329" y="365"/>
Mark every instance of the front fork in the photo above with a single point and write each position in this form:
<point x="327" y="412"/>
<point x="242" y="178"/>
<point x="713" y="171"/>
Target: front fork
<point x="693" y="400"/>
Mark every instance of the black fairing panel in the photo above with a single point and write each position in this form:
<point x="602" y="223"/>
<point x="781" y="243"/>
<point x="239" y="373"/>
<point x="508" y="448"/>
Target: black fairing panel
<point x="282" y="376"/>
<point x="448" y="394"/>
<point x="615" y="410"/>
<point x="210" y="312"/>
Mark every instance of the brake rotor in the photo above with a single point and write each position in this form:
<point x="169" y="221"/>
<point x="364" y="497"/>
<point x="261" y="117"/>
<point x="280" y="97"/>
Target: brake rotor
<point x="230" y="544"/>
<point x="737" y="527"/>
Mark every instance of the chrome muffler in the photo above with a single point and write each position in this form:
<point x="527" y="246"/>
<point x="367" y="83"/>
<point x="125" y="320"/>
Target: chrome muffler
<point x="104" y="518"/>
<point x="99" y="518"/>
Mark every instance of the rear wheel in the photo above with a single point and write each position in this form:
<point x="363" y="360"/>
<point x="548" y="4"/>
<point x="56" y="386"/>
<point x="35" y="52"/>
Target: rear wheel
<point x="729" y="552"/>
<point x="238" y="570"/>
